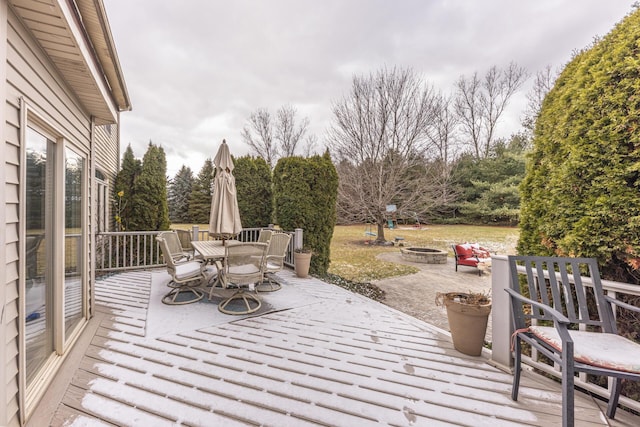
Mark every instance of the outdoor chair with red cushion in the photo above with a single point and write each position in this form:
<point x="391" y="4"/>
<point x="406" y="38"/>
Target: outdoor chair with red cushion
<point x="471" y="255"/>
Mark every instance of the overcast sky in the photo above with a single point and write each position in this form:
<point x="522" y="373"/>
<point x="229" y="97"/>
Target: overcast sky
<point x="196" y="69"/>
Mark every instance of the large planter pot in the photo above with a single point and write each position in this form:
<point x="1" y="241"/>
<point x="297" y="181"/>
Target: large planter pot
<point x="301" y="261"/>
<point x="467" y="321"/>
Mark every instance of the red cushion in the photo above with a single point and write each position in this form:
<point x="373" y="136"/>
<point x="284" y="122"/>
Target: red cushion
<point x="464" y="251"/>
<point x="471" y="262"/>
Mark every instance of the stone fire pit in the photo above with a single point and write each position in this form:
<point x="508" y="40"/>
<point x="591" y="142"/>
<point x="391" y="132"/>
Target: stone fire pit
<point x="424" y="255"/>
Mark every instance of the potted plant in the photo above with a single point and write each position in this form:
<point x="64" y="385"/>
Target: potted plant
<point x="468" y="315"/>
<point x="301" y="261"/>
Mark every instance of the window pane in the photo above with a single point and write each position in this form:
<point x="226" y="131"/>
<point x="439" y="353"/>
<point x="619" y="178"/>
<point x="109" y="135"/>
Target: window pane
<point x="74" y="236"/>
<point x="38" y="284"/>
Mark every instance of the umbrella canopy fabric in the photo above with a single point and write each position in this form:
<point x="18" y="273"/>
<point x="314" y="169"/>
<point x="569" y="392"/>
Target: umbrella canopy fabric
<point x="225" y="217"/>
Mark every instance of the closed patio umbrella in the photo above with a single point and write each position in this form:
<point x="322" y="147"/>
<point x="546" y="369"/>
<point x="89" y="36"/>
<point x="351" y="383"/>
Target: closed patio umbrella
<point x="224" y="221"/>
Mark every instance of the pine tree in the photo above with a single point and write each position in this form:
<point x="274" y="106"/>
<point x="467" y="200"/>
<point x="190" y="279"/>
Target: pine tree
<point x="200" y="200"/>
<point x="179" y="195"/>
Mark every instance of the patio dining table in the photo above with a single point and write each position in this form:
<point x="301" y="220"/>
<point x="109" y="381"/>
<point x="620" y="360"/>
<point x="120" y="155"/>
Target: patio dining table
<point x="212" y="251"/>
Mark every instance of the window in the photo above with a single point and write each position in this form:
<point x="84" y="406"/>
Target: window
<point x="56" y="241"/>
<point x="39" y="198"/>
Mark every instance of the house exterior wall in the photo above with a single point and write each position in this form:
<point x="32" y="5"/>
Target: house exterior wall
<point x="28" y="79"/>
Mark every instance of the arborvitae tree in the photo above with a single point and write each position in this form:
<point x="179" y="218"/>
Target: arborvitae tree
<point x="179" y="195"/>
<point x="150" y="211"/>
<point x="255" y="194"/>
<point x="200" y="200"/>
<point x="124" y="189"/>
<point x="581" y="193"/>
<point x="305" y="194"/>
<point x="580" y="196"/>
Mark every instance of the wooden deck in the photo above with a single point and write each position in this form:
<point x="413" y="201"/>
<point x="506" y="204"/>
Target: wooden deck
<point x="322" y="356"/>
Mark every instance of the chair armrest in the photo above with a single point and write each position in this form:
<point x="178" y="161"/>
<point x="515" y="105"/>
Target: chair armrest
<point x="557" y="316"/>
<point x="622" y="304"/>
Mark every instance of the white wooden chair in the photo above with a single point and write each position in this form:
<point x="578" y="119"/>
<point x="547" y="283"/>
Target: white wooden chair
<point x="551" y="312"/>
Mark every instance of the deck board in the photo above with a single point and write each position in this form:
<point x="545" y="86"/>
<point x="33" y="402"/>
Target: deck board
<point x="338" y="359"/>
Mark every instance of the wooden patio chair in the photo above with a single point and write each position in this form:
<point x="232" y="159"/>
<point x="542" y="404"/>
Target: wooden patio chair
<point x="570" y="322"/>
<point x="186" y="275"/>
<point x="274" y="261"/>
<point x="243" y="267"/>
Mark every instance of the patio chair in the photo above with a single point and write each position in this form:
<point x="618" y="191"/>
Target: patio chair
<point x="265" y="235"/>
<point x="176" y="250"/>
<point x="471" y="255"/>
<point x="184" y="236"/>
<point x="186" y="275"/>
<point x="583" y="337"/>
<point x="274" y="261"/>
<point x="243" y="266"/>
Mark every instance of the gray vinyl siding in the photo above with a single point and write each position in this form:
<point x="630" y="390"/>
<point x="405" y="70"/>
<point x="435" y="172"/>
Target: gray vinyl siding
<point x="29" y="75"/>
<point x="107" y="151"/>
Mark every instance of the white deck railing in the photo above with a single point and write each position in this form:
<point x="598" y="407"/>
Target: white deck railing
<point x="129" y="250"/>
<point x="502" y="329"/>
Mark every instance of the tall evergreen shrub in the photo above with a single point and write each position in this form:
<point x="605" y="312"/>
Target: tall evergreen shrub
<point x="150" y="209"/>
<point x="254" y="190"/>
<point x="305" y="193"/>
<point x="581" y="193"/>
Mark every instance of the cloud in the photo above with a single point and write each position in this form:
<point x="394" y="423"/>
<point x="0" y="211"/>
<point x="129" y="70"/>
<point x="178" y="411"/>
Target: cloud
<point x="196" y="69"/>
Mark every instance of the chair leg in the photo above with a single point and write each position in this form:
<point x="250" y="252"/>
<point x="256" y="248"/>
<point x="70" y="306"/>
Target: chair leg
<point x="268" y="285"/>
<point x="517" y="369"/>
<point x="171" y="298"/>
<point x="251" y="302"/>
<point x="616" y="387"/>
<point x="567" y="386"/>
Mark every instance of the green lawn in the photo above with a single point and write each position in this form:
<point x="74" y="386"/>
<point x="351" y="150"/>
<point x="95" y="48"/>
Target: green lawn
<point x="355" y="260"/>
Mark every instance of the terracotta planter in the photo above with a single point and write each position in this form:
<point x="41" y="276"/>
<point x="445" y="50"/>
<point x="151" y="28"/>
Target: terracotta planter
<point x="301" y="262"/>
<point x="467" y="322"/>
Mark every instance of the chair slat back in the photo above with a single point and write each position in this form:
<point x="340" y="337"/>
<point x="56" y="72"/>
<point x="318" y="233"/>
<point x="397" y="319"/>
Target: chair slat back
<point x="278" y="244"/>
<point x="166" y="251"/>
<point x="173" y="245"/>
<point x="558" y="282"/>
<point x="265" y="235"/>
<point x="244" y="262"/>
<point x="184" y="236"/>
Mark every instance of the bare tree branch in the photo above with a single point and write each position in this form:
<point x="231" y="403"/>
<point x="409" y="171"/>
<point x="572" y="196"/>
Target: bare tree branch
<point x="542" y="84"/>
<point x="480" y="104"/>
<point x="258" y="134"/>
<point x="288" y="133"/>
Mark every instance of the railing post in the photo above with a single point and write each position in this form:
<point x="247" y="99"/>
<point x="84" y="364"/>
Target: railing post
<point x="501" y="325"/>
<point x="195" y="233"/>
<point x="297" y="239"/>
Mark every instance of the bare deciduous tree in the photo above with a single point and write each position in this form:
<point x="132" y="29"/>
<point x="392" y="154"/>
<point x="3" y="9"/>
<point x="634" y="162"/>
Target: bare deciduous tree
<point x="258" y="134"/>
<point x="442" y="135"/>
<point x="479" y="104"/>
<point x="271" y="139"/>
<point x="379" y="139"/>
<point x="288" y="133"/>
<point x="542" y="84"/>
